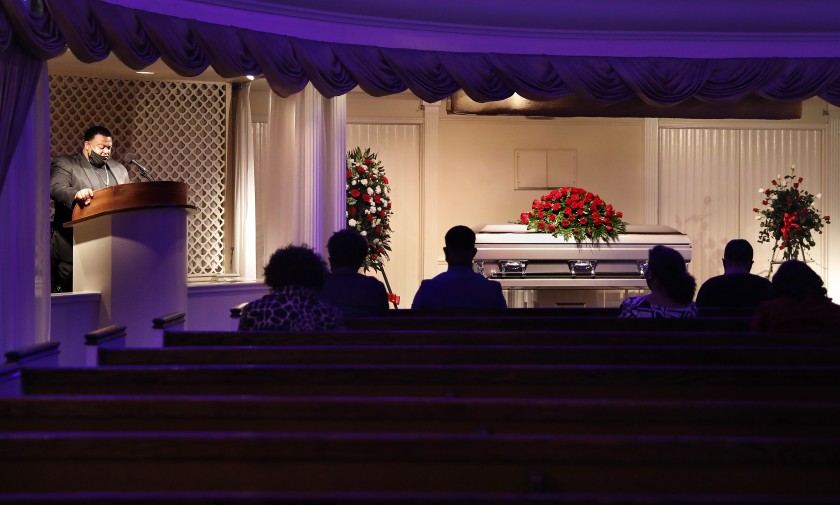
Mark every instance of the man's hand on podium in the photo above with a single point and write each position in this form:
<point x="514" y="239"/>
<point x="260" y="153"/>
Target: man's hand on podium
<point x="84" y="196"/>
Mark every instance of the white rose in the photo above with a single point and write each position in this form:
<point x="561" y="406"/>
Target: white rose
<point x="363" y="233"/>
<point x="373" y="204"/>
<point x="819" y="195"/>
<point x="761" y="190"/>
<point x="364" y="182"/>
<point x="370" y="191"/>
<point x="378" y="190"/>
<point x="758" y="217"/>
<point x="354" y="182"/>
<point x="352" y="222"/>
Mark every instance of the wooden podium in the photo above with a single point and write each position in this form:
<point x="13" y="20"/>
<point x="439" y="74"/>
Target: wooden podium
<point x="130" y="245"/>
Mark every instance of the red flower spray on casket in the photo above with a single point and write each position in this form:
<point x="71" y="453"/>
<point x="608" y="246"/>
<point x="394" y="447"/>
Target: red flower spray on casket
<point x="575" y="213"/>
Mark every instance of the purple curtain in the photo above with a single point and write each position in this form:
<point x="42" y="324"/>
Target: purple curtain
<point x="93" y="29"/>
<point x="19" y="73"/>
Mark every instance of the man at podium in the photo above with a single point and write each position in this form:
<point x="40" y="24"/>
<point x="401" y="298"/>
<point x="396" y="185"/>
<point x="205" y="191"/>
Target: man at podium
<point x="73" y="179"/>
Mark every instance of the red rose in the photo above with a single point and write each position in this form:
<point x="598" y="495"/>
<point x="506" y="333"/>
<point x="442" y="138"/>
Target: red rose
<point x="377" y="199"/>
<point x="766" y="191"/>
<point x="608" y="227"/>
<point x="352" y="211"/>
<point x="773" y="182"/>
<point x="523" y="218"/>
<point x="541" y="225"/>
<point x="540" y="214"/>
<point x="795" y="185"/>
<point x="764" y="202"/>
<point x="349" y="174"/>
<point x="580" y="212"/>
<point x="567" y="211"/>
<point x="827" y="218"/>
<point x="366" y="197"/>
<point x="755" y="210"/>
<point x="556" y="206"/>
<point x="379" y="230"/>
<point x="800" y="179"/>
<point x="582" y="221"/>
<point x="565" y="223"/>
<point x="552" y="217"/>
<point x="384" y="179"/>
<point x="383" y="213"/>
<point x="355" y="193"/>
<point x="370" y="217"/>
<point x="619" y="215"/>
<point x="368" y="161"/>
<point x="552" y="227"/>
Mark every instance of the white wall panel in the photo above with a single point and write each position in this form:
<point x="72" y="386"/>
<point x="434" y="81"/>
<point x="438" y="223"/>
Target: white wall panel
<point x="766" y="154"/>
<point x="709" y="180"/>
<point x="398" y="148"/>
<point x="699" y="192"/>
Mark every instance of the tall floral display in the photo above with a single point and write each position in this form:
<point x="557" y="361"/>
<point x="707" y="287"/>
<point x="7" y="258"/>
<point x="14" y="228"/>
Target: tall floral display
<point x="788" y="217"/>
<point x="369" y="205"/>
<point x="575" y="214"/>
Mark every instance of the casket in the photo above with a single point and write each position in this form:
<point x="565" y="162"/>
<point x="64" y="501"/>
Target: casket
<point x="525" y="259"/>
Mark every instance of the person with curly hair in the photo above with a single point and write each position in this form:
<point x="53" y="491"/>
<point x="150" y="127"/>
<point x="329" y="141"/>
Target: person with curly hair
<point x="799" y="303"/>
<point x="295" y="274"/>
<point x="671" y="288"/>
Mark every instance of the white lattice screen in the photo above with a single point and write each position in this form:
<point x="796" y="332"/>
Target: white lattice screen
<point x="177" y="129"/>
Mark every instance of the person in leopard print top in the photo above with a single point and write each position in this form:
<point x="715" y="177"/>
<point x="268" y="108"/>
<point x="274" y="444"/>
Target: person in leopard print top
<point x="295" y="274"/>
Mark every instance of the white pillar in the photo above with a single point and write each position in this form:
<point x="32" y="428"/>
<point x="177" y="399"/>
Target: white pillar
<point x="429" y="188"/>
<point x="651" y="194"/>
<point x="831" y="204"/>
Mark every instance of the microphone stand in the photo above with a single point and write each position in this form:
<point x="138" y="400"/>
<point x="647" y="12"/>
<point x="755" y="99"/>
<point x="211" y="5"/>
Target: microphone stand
<point x="142" y="170"/>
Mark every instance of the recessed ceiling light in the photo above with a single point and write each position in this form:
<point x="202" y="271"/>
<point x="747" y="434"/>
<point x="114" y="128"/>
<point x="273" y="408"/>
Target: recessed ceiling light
<point x="145" y="72"/>
<point x="250" y="77"/>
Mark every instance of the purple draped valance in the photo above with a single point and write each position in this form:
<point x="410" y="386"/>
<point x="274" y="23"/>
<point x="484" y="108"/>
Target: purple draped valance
<point x="93" y="29"/>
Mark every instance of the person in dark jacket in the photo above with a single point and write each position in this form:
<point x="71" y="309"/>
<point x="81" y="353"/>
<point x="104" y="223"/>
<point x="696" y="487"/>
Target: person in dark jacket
<point x="356" y="294"/>
<point x="737" y="287"/>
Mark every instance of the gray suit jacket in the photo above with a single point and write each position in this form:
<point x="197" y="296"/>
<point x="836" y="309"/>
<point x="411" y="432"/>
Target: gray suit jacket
<point x="69" y="175"/>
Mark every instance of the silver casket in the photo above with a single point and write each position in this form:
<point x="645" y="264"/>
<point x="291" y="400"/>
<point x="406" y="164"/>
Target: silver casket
<point x="524" y="259"/>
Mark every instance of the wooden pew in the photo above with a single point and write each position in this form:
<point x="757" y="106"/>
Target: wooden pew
<point x="779" y="382"/>
<point x="540" y="322"/>
<point x="490" y="338"/>
<point x="370" y="498"/>
<point x="417" y="415"/>
<point x="406" y="462"/>
<point x="413" y="498"/>
<point x="465" y="354"/>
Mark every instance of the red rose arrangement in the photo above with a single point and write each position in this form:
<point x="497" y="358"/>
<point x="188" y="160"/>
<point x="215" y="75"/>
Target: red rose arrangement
<point x="369" y="204"/>
<point x="789" y="216"/>
<point x="574" y="213"/>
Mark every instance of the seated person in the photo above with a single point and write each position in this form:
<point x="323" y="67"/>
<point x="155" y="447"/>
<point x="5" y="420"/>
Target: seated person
<point x="737" y="287"/>
<point x="671" y="288"/>
<point x="294" y="274"/>
<point x="459" y="286"/>
<point x="798" y="303"/>
<point x="357" y="295"/>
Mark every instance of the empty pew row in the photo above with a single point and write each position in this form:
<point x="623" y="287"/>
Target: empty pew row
<point x="414" y="498"/>
<point x="353" y="462"/>
<point x="539" y="322"/>
<point x="492" y="338"/>
<point x="471" y="354"/>
<point x="777" y="382"/>
<point x="417" y="415"/>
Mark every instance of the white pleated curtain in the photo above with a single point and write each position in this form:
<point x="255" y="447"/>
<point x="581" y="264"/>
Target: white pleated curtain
<point x="300" y="192"/>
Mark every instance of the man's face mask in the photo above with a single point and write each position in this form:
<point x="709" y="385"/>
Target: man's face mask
<point x="97" y="160"/>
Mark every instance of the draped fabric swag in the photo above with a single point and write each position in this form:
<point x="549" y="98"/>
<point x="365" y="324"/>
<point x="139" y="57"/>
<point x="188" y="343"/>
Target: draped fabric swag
<point x="93" y="29"/>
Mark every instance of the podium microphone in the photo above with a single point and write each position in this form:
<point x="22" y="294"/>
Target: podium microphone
<point x="140" y="168"/>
